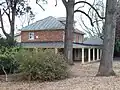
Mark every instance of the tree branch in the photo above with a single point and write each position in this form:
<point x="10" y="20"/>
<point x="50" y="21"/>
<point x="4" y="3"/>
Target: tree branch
<point x="6" y="76"/>
<point x="86" y="15"/>
<point x="56" y="3"/>
<point x="87" y="28"/>
<point x="81" y="6"/>
<point x="2" y="26"/>
<point x="97" y="21"/>
<point x="64" y="2"/>
<point x="2" y="3"/>
<point x="8" y="15"/>
<point x="91" y="7"/>
<point x="87" y="31"/>
<point x="40" y="5"/>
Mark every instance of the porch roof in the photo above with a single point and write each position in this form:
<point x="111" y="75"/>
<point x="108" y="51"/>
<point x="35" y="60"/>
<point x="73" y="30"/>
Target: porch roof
<point x="94" y="41"/>
<point x="55" y="45"/>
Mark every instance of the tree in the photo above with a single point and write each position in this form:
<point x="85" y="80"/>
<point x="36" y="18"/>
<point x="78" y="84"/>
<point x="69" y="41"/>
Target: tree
<point x="98" y="23"/>
<point x="106" y="68"/>
<point x="68" y="44"/>
<point x="10" y="9"/>
<point x="3" y="42"/>
<point x="27" y="17"/>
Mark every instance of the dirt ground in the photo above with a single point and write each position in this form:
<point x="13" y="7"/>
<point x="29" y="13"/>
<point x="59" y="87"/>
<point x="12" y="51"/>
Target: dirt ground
<point x="82" y="78"/>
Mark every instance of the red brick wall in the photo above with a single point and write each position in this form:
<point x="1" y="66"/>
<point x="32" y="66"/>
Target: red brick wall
<point x="56" y="35"/>
<point x="42" y="36"/>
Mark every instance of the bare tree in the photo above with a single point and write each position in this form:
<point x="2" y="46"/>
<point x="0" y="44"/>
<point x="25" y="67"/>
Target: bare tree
<point x="97" y="29"/>
<point x="68" y="44"/>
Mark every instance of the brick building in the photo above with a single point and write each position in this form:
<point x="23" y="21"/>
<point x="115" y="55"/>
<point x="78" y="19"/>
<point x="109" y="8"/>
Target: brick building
<point x="49" y="33"/>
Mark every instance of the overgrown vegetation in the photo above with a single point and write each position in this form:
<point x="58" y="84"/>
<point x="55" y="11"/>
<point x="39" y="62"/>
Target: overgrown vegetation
<point x="7" y="60"/>
<point x="33" y="65"/>
<point x="6" y="42"/>
<point x="42" y="65"/>
<point x="117" y="46"/>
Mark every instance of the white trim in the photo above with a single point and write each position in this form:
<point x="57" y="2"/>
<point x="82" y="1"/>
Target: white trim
<point x="74" y="37"/>
<point x="56" y="50"/>
<point x="31" y="36"/>
<point x="93" y="54"/>
<point x="89" y="56"/>
<point x="63" y="36"/>
<point x="97" y="54"/>
<point x="82" y="55"/>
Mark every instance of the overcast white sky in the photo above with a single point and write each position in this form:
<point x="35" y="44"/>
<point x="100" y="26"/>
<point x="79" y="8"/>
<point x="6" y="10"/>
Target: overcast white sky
<point x="50" y="10"/>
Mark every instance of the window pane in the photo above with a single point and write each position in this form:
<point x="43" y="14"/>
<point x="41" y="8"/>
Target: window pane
<point x="31" y="35"/>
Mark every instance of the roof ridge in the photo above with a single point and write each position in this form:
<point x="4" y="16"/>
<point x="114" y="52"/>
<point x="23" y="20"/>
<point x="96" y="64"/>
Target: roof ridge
<point x="35" y="22"/>
<point x="39" y="21"/>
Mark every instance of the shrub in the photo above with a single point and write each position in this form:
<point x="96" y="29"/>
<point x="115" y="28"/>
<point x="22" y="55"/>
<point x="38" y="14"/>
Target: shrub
<point x="7" y="60"/>
<point x="7" y="42"/>
<point x="43" y="65"/>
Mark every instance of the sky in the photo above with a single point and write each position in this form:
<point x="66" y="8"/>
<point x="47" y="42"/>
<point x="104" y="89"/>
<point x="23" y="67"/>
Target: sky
<point x="50" y="10"/>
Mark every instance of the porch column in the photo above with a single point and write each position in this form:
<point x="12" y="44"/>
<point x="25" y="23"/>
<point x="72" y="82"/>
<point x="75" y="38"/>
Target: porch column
<point x="56" y="50"/>
<point x="36" y="49"/>
<point x="89" y="55"/>
<point x="97" y="54"/>
<point x="93" y="54"/>
<point x="100" y="53"/>
<point x="82" y="55"/>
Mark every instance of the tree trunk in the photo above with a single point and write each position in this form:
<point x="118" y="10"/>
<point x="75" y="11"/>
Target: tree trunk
<point x="2" y="25"/>
<point x="68" y="44"/>
<point x="106" y="68"/>
<point x="10" y="39"/>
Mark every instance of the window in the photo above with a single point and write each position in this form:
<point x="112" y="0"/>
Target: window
<point x="31" y="35"/>
<point x="63" y="36"/>
<point x="74" y="37"/>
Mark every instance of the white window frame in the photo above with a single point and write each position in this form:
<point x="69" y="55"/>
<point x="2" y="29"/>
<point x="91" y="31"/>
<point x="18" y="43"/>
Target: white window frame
<point x="74" y="37"/>
<point x="31" y="36"/>
<point x="63" y="36"/>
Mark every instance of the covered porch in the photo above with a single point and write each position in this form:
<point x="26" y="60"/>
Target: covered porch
<point x="81" y="52"/>
<point x="84" y="53"/>
<point x="87" y="54"/>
